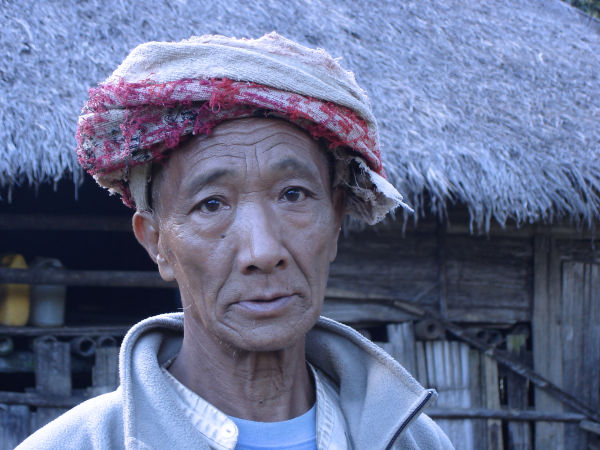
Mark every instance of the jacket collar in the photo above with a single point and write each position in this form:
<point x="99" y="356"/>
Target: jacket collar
<point x="361" y="391"/>
<point x="377" y="396"/>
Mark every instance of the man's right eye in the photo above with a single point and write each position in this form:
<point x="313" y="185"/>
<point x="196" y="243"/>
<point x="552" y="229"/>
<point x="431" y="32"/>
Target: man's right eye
<point x="211" y="205"/>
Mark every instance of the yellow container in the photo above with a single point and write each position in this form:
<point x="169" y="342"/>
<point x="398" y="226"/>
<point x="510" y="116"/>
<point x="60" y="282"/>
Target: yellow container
<point x="14" y="298"/>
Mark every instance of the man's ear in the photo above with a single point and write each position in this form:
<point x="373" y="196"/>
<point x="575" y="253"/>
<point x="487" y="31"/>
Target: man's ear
<point x="339" y="209"/>
<point x="147" y="233"/>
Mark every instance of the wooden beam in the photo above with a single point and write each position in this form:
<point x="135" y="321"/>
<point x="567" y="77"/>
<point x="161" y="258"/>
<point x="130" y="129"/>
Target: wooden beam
<point x="106" y="278"/>
<point x="528" y="231"/>
<point x="589" y="426"/>
<point x="23" y="362"/>
<point x="64" y="222"/>
<point x="504" y="414"/>
<point x="354" y="312"/>
<point x="40" y="400"/>
<point x="111" y="330"/>
<point x="519" y="434"/>
<point x="36" y="399"/>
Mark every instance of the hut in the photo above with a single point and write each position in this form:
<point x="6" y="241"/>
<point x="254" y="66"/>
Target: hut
<point x="489" y="115"/>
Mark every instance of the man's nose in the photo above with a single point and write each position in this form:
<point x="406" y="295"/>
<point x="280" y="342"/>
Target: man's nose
<point x="260" y="249"/>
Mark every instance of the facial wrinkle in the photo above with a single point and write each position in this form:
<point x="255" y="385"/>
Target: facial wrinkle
<point x="250" y="234"/>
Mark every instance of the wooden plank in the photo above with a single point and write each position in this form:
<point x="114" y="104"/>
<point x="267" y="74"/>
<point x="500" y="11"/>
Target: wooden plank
<point x="591" y="345"/>
<point x="442" y="272"/>
<point x="460" y="226"/>
<point x="448" y="372"/>
<point x="52" y="376"/>
<point x="104" y="278"/>
<point x="581" y="338"/>
<point x="476" y="381"/>
<point x="500" y="315"/>
<point x="572" y="299"/>
<point x="488" y="279"/>
<point x="546" y="337"/>
<point x="492" y="401"/>
<point x="14" y="425"/>
<point x="23" y="362"/>
<point x="519" y="434"/>
<point x="585" y="250"/>
<point x="402" y="345"/>
<point x="355" y="312"/>
<point x="512" y="415"/>
<point x="590" y="426"/>
<point x="37" y="399"/>
<point x="387" y="264"/>
<point x="96" y="330"/>
<point x="421" y="361"/>
<point x="485" y="279"/>
<point x="105" y="373"/>
<point x="64" y="222"/>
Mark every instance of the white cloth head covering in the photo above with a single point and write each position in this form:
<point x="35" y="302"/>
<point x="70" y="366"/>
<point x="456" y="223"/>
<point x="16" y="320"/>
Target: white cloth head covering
<point x="164" y="91"/>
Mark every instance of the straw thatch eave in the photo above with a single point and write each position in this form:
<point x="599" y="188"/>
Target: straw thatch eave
<point x="493" y="105"/>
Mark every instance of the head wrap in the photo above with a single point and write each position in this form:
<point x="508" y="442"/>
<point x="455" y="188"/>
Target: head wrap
<point x="165" y="91"/>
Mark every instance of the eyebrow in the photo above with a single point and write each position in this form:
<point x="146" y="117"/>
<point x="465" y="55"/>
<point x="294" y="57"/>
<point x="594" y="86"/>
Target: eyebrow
<point x="206" y="178"/>
<point x="295" y="167"/>
<point x="288" y="165"/>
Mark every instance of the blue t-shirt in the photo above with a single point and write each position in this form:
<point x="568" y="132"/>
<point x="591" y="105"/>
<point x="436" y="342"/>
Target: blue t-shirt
<point x="299" y="433"/>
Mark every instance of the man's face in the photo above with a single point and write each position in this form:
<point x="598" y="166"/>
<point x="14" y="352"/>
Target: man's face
<point x="247" y="225"/>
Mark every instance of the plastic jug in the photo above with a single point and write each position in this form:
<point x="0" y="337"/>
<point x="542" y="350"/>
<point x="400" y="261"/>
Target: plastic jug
<point x="14" y="298"/>
<point x="47" y="300"/>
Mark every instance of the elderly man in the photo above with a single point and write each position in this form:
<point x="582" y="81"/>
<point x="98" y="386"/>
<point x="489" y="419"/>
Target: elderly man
<point x="241" y="157"/>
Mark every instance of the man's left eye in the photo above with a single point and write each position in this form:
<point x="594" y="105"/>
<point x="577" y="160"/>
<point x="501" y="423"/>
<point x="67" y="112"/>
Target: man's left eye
<point x="211" y="205"/>
<point x="294" y="194"/>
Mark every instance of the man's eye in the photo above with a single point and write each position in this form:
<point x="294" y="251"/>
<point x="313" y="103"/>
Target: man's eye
<point x="211" y="205"/>
<point x="294" y="194"/>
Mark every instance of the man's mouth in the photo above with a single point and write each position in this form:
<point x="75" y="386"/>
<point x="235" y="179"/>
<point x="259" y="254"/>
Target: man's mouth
<point x="267" y="306"/>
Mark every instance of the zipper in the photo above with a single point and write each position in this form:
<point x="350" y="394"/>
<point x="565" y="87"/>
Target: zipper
<point x="409" y="419"/>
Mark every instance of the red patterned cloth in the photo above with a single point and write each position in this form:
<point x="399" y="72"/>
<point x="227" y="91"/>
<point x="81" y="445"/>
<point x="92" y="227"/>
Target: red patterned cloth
<point x="129" y="121"/>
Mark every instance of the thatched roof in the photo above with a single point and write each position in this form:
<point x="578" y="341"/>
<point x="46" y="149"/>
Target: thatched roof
<point x="492" y="104"/>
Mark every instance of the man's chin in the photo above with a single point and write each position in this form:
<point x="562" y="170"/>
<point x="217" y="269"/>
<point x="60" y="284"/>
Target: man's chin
<point x="267" y="337"/>
<point x="270" y="344"/>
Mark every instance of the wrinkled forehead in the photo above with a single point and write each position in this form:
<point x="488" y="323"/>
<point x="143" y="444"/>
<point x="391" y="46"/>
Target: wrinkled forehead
<point x="244" y="146"/>
<point x="247" y="138"/>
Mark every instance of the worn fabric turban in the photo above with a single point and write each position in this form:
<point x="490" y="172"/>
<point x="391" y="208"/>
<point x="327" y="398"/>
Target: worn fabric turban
<point x="166" y="91"/>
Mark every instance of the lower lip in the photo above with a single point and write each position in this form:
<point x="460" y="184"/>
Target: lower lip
<point x="266" y="308"/>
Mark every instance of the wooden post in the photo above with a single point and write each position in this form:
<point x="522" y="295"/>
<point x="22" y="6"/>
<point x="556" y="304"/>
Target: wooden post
<point x="14" y="425"/>
<point x="52" y="376"/>
<point x="105" y="373"/>
<point x="476" y="381"/>
<point x="441" y="262"/>
<point x="547" y="347"/>
<point x="492" y="401"/>
<point x="580" y="337"/>
<point x="421" y="361"/>
<point x="519" y="433"/>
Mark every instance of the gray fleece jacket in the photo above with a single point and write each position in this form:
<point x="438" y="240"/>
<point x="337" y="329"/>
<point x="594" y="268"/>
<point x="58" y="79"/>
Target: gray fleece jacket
<point x="365" y="399"/>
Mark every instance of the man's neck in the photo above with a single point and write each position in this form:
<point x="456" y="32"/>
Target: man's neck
<point x="261" y="386"/>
